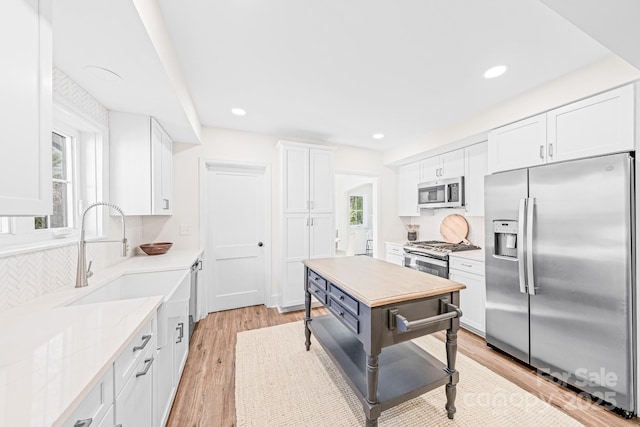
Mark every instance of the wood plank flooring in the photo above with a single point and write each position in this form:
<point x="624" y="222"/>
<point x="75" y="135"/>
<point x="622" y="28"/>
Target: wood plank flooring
<point x="206" y="395"/>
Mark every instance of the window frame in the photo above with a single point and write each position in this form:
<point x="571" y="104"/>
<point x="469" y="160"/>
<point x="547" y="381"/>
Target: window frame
<point x="364" y="210"/>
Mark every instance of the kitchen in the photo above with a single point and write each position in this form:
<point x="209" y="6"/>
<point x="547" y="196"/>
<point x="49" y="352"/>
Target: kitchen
<point x="157" y="81"/>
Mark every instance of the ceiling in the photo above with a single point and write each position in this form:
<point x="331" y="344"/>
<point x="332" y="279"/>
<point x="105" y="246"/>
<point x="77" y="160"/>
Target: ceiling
<point x="330" y="70"/>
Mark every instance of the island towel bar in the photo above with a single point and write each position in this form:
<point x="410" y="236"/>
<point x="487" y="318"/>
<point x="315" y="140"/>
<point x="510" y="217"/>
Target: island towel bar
<point x="404" y="325"/>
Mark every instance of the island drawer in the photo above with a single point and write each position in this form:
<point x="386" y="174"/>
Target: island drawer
<point x="320" y="282"/>
<point x="347" y="319"/>
<point x="345" y="300"/>
<point x="320" y="294"/>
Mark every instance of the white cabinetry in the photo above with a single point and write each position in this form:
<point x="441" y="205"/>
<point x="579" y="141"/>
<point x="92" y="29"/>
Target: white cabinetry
<point x="475" y="157"/>
<point x="134" y="379"/>
<point x="470" y="272"/>
<point x="308" y="229"/>
<point x="598" y="125"/>
<point x="408" y="180"/>
<point x="96" y="407"/>
<point x="25" y="106"/>
<point x="141" y="165"/>
<point x="447" y="165"/>
<point x="394" y="253"/>
<point x="171" y="355"/>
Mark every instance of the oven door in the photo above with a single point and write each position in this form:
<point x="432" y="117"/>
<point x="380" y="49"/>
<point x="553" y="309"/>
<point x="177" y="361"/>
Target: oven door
<point x="426" y="264"/>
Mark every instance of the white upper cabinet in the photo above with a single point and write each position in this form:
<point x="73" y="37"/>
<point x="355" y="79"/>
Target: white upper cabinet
<point x="519" y="144"/>
<point x="444" y="166"/>
<point x="26" y="107"/>
<point x="141" y="165"/>
<point x="476" y="169"/>
<point x="598" y="125"/>
<point x="321" y="198"/>
<point x="295" y="179"/>
<point x="408" y="180"/>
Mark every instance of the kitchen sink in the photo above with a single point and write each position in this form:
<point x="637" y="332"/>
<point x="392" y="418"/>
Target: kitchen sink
<point x="173" y="285"/>
<point x="138" y="285"/>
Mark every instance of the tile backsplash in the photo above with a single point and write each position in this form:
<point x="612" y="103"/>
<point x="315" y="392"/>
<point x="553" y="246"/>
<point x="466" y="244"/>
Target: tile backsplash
<point x="430" y="226"/>
<point x="27" y="276"/>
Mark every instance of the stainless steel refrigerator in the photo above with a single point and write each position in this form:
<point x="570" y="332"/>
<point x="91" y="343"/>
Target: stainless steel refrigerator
<point x="560" y="272"/>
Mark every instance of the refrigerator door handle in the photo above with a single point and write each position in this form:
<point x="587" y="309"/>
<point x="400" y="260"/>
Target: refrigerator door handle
<point x="529" y="252"/>
<point x="520" y="242"/>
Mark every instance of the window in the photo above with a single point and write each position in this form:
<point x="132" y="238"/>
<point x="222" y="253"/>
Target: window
<point x="63" y="194"/>
<point x="356" y="211"/>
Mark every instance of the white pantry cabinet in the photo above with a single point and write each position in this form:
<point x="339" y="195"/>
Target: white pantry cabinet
<point x="473" y="299"/>
<point x="444" y="166"/>
<point x="598" y="125"/>
<point x="408" y="180"/>
<point x="307" y="214"/>
<point x="26" y="107"/>
<point x="141" y="165"/>
<point x="475" y="157"/>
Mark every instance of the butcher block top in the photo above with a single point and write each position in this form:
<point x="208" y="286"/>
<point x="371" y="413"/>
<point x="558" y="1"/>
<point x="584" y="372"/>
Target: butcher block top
<point x="375" y="282"/>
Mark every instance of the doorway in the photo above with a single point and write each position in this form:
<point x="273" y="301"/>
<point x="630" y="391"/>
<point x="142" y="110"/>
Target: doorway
<point x="356" y="214"/>
<point x="237" y="221"/>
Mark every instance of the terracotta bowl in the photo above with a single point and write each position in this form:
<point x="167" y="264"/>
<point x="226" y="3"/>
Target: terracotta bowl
<point x="156" y="248"/>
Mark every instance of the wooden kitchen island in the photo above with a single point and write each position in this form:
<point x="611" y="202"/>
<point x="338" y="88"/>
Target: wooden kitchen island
<point x="377" y="308"/>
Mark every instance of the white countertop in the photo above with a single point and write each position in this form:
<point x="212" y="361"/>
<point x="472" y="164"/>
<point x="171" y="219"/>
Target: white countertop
<point x="476" y="255"/>
<point x="53" y="355"/>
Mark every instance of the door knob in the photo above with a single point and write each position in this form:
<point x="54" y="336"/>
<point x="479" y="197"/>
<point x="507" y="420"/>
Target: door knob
<point x="260" y="244"/>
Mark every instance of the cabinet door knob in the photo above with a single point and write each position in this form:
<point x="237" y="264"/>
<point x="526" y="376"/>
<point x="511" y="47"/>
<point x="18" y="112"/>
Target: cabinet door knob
<point x="260" y="244"/>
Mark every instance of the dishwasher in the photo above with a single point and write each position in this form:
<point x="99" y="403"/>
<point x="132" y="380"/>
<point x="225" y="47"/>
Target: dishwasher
<point x="193" y="300"/>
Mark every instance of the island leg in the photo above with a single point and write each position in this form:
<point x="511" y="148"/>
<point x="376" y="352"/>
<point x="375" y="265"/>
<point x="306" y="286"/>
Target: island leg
<point x="372" y="386"/>
<point x="450" y="388"/>
<point x="307" y="310"/>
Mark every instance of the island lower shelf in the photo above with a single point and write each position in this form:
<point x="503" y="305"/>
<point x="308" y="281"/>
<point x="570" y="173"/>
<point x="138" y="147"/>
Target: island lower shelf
<point x="405" y="370"/>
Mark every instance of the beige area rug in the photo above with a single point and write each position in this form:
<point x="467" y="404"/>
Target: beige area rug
<point x="279" y="384"/>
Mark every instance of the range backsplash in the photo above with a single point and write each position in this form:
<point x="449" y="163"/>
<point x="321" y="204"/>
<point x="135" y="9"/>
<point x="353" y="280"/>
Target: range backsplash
<point x="430" y="226"/>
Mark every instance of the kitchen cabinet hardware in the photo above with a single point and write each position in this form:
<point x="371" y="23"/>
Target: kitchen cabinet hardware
<point x="148" y="362"/>
<point x="466" y="265"/>
<point x="83" y="423"/>
<point x="145" y="341"/>
<point x="542" y="151"/>
<point x="396" y="320"/>
<point x="180" y="329"/>
<point x="550" y="150"/>
<point x="260" y="244"/>
<point x="199" y="264"/>
<point x="166" y="203"/>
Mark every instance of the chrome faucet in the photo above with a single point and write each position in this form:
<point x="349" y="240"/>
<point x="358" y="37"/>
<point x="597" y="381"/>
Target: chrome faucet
<point x="83" y="272"/>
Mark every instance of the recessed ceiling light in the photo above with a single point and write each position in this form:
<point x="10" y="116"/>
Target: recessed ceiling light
<point x="103" y="73"/>
<point x="377" y="136"/>
<point x="238" y="111"/>
<point x="496" y="71"/>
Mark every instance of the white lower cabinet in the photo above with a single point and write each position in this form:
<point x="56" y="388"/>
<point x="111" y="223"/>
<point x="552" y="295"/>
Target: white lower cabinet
<point x="97" y="406"/>
<point x="134" y="379"/>
<point x="394" y="253"/>
<point x="473" y="299"/>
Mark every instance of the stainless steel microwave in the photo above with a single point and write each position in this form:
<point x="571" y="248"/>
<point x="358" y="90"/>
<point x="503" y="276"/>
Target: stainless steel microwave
<point x="445" y="193"/>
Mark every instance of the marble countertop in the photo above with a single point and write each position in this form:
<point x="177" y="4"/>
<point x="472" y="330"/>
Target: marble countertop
<point x="52" y="355"/>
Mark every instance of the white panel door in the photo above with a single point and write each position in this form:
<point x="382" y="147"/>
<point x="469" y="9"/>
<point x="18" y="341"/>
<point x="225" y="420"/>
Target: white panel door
<point x="296" y="248"/>
<point x="518" y="145"/>
<point x="295" y="171"/>
<point x="25" y="107"/>
<point x="321" y="196"/>
<point x="408" y="180"/>
<point x="236" y="229"/>
<point x="476" y="169"/>
<point x="452" y="164"/>
<point x="430" y="169"/>
<point x="601" y="124"/>
<point x="321" y="236"/>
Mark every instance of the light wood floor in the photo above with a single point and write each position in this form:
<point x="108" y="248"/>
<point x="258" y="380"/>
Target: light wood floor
<point x="205" y="397"/>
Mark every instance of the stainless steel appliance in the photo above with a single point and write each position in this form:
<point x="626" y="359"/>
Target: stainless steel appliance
<point x="432" y="256"/>
<point x="444" y="193"/>
<point x="560" y="272"/>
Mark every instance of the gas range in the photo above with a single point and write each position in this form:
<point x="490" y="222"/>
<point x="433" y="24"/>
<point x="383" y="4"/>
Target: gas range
<point x="437" y="248"/>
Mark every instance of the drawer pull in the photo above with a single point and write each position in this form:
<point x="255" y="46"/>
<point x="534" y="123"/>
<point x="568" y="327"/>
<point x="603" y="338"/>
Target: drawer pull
<point x="341" y="298"/>
<point x="180" y="329"/>
<point x="341" y="314"/>
<point x="145" y="341"/>
<point x="149" y="362"/>
<point x="466" y="265"/>
<point x="397" y="320"/>
<point x="83" y="423"/>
